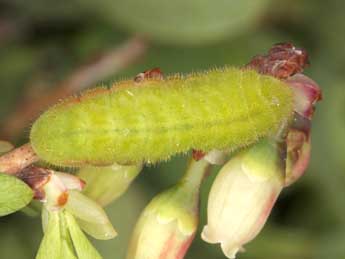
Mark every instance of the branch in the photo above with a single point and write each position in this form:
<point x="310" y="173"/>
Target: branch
<point x="17" y="159"/>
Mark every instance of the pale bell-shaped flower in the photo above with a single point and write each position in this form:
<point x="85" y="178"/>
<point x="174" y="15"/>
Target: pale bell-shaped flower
<point x="168" y="224"/>
<point x="242" y="196"/>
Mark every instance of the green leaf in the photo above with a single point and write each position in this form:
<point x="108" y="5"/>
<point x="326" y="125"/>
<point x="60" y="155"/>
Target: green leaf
<point x="51" y="244"/>
<point x="82" y="245"/>
<point x="14" y="194"/>
<point x="184" y="22"/>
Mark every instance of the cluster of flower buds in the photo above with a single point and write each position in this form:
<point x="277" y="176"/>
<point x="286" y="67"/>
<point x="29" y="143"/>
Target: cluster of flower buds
<point x="247" y="187"/>
<point x="286" y="62"/>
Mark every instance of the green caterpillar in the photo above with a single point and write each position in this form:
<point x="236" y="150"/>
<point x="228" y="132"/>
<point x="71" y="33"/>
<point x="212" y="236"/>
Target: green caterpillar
<point x="152" y="120"/>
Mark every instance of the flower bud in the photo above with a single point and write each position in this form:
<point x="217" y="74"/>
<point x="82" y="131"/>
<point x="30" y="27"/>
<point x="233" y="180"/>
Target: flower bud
<point x="298" y="155"/>
<point x="306" y="92"/>
<point x="168" y="224"/>
<point x="298" y="139"/>
<point x="107" y="183"/>
<point x="242" y="196"/>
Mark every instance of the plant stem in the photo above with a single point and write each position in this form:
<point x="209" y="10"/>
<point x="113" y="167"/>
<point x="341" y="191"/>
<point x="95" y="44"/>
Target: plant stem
<point x="17" y="159"/>
<point x="195" y="174"/>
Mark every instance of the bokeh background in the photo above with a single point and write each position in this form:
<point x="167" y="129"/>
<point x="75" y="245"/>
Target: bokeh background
<point x="74" y="44"/>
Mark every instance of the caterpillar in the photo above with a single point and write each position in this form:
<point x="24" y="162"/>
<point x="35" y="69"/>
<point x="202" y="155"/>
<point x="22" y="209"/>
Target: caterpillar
<point x="154" y="119"/>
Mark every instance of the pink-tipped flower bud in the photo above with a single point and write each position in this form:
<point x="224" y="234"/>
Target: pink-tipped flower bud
<point x="168" y="224"/>
<point x="243" y="195"/>
<point x="298" y="139"/>
<point x="307" y="93"/>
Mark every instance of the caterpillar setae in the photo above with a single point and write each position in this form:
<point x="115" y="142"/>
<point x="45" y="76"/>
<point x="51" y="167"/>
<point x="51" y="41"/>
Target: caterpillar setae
<point x="151" y="120"/>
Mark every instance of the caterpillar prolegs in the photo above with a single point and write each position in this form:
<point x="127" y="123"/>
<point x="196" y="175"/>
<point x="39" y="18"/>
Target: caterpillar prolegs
<point x="153" y="119"/>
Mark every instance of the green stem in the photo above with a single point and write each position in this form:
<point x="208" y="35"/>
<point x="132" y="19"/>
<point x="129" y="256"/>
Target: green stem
<point x="195" y="174"/>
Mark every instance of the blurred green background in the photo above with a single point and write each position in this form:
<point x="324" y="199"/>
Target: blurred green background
<point x="44" y="42"/>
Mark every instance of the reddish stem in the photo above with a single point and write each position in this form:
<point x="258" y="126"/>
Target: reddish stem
<point x="17" y="159"/>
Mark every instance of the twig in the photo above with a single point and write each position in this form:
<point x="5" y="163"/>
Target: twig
<point x="17" y="159"/>
<point x="109" y="63"/>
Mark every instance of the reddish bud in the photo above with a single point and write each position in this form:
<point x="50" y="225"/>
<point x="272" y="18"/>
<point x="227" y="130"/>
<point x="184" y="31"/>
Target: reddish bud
<point x="36" y="178"/>
<point x="298" y="155"/>
<point x="307" y="93"/>
<point x="198" y="154"/>
<point x="282" y="61"/>
<point x="155" y="74"/>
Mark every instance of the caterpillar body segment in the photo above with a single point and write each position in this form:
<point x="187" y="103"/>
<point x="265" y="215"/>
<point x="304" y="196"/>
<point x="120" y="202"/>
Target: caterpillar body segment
<point x="155" y="119"/>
